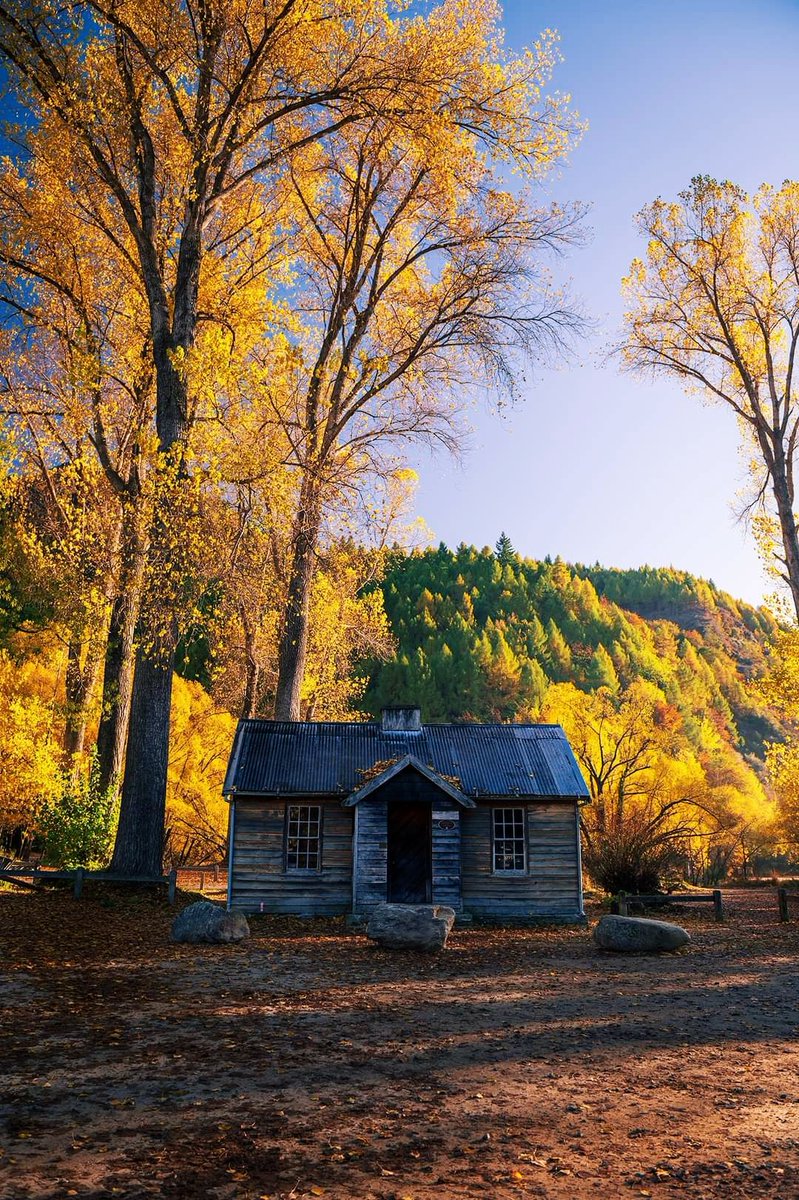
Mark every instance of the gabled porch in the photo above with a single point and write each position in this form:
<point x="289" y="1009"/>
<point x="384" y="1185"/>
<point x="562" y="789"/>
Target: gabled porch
<point x="407" y="838"/>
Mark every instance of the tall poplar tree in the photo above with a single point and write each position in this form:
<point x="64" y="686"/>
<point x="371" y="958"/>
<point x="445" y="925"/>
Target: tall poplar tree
<point x="418" y="277"/>
<point x="715" y="304"/>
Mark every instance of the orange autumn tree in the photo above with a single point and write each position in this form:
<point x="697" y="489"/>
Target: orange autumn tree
<point x="346" y="622"/>
<point x="779" y="687"/>
<point x="417" y="281"/>
<point x="171" y="115"/>
<point x="78" y="390"/>
<point x="659" y="804"/>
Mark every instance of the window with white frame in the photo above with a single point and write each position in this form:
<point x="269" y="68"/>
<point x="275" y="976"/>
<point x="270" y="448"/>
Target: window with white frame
<point x="303" y="837"/>
<point x="509" y="842"/>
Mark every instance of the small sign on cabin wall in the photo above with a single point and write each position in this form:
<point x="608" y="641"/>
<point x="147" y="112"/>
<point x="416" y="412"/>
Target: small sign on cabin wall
<point x="445" y="820"/>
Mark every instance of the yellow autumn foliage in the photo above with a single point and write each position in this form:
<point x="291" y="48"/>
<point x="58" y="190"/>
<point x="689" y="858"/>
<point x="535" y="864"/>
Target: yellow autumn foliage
<point x="201" y="736"/>
<point x="780" y="688"/>
<point x="699" y="810"/>
<point x="29" y="752"/>
<point x="712" y="304"/>
<point x="31" y="734"/>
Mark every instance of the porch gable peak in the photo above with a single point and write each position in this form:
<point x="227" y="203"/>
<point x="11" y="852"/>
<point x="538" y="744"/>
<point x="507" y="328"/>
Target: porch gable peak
<point x="408" y="761"/>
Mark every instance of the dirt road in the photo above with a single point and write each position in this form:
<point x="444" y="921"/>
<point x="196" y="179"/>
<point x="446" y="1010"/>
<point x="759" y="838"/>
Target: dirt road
<point x="309" y="1063"/>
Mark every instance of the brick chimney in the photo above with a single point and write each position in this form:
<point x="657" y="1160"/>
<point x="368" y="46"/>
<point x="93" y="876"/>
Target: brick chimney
<point x="401" y="718"/>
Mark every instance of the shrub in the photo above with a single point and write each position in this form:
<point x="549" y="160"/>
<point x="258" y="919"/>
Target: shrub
<point x="78" y="826"/>
<point x="628" y="859"/>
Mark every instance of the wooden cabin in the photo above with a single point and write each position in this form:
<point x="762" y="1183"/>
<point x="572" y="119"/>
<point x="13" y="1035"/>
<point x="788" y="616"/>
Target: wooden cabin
<point x="329" y="818"/>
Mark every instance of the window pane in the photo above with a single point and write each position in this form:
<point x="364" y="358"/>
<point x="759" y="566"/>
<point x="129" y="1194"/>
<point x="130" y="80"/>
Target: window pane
<point x="510" y="851"/>
<point x="303" y="837"/>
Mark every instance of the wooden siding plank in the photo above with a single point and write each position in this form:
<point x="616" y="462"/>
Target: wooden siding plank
<point x="447" y="851"/>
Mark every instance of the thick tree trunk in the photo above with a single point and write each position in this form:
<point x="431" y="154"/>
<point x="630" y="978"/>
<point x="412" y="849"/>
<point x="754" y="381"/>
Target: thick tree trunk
<point x="112" y="735"/>
<point x="293" y="646"/>
<point x="139" y="844"/>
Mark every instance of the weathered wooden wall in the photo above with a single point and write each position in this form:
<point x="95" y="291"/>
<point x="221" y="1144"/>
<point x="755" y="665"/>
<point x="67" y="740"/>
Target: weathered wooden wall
<point x="259" y="877"/>
<point x="447" y="852"/>
<point x="461" y="861"/>
<point x="551" y="888"/>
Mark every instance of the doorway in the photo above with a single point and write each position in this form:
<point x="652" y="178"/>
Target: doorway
<point x="410" y="874"/>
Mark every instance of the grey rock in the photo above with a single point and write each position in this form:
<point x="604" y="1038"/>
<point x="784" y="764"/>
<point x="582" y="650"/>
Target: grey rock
<point x="635" y="935"/>
<point x="411" y="926"/>
<point x="207" y="922"/>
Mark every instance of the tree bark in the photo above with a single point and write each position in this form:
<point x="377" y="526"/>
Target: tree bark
<point x="253" y="671"/>
<point x="139" y="844"/>
<point x="79" y="685"/>
<point x="783" y="498"/>
<point x="73" y="686"/>
<point x="293" y="645"/>
<point x="112" y="735"/>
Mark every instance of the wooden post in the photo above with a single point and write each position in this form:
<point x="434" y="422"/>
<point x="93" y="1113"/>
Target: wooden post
<point x="216" y="872"/>
<point x="78" y="889"/>
<point x="623" y="911"/>
<point x="718" y="907"/>
<point x="173" y="882"/>
<point x="782" y="901"/>
<point x="202" y="881"/>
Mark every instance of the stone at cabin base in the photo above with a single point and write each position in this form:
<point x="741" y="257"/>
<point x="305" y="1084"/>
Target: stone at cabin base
<point x="207" y="922"/>
<point x="636" y="935"/>
<point x="411" y="926"/>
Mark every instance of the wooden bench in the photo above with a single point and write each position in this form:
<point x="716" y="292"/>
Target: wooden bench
<point x="79" y="875"/>
<point x="624" y="901"/>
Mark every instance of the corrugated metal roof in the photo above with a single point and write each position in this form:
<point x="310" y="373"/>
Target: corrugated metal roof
<point x="317" y="757"/>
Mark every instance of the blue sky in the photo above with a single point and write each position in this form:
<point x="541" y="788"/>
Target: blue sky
<point x="594" y="464"/>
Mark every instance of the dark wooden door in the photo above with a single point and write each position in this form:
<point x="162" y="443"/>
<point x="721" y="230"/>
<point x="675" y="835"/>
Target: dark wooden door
<point x="410" y="879"/>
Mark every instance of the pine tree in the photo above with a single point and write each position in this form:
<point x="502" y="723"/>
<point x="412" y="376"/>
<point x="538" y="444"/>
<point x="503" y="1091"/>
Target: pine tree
<point x="504" y="549"/>
<point x="601" y="671"/>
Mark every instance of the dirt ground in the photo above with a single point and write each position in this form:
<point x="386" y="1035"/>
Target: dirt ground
<point x="307" y="1062"/>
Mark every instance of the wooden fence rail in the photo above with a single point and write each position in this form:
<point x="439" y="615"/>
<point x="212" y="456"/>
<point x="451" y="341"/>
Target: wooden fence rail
<point x="79" y="875"/>
<point x="624" y="901"/>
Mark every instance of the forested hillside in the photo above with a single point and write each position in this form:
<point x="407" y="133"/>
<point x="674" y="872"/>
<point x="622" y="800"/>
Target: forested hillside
<point x="648" y="671"/>
<point x="481" y="634"/>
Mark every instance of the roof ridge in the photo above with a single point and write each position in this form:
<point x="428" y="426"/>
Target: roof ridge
<point x="270" y="721"/>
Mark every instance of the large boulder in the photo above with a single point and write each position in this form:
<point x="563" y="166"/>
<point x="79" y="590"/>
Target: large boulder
<point x="207" y="922"/>
<point x="635" y="935"/>
<point x="411" y="926"/>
